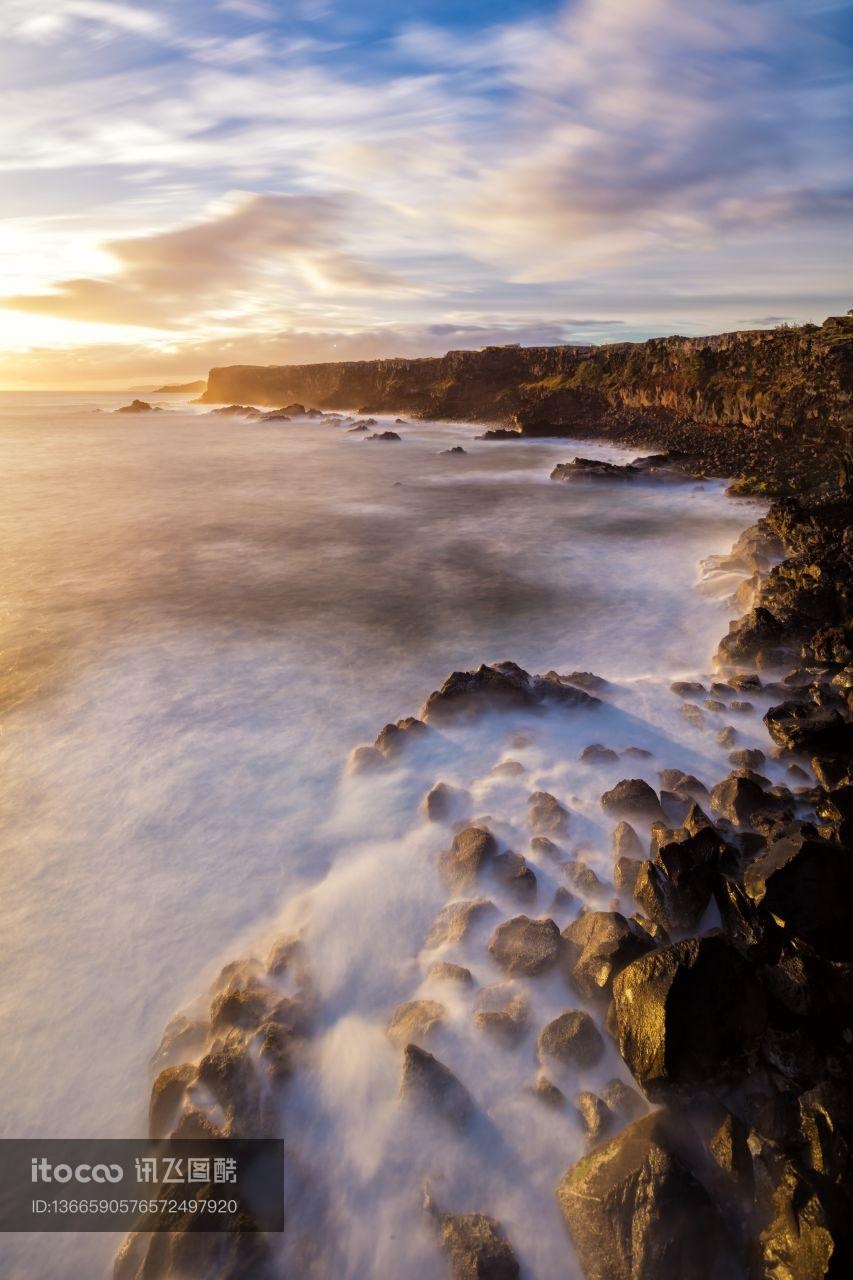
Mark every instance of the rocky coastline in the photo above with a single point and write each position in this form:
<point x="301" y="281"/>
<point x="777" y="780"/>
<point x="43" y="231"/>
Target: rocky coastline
<point x="730" y="1153"/>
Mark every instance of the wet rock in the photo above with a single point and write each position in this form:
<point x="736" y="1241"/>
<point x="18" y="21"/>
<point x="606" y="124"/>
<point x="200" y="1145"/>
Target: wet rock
<point x="689" y="1017"/>
<point x="825" y="1130"/>
<point x="593" y="469"/>
<point x="546" y="815"/>
<point x="462" y="864"/>
<point x="137" y="406"/>
<point x="727" y="736"/>
<point x="807" y="884"/>
<point x="632" y="797"/>
<point x="167" y="1096"/>
<point x="675" y="887"/>
<point x="475" y="1245"/>
<point x="365" y="760"/>
<point x="524" y="946"/>
<point x="430" y="1084"/>
<point x="693" y="714"/>
<point x="623" y="1101"/>
<point x="562" y="900"/>
<point x="457" y="448"/>
<point x="503" y="686"/>
<point x="758" y="636"/>
<point x="446" y="804"/>
<point x="583" y="879"/>
<point x="688" y="688"/>
<point x="594" y="1114"/>
<point x="683" y="784"/>
<point x="503" y="1012"/>
<point x="453" y="922"/>
<point x="513" y="874"/>
<point x="598" y="754"/>
<point x="508" y="769"/>
<point x="542" y="846"/>
<point x="802" y="726"/>
<point x="636" y="753"/>
<point x="228" y="1073"/>
<point x="393" y="739"/>
<point x="241" y="1003"/>
<point x="635" y="1210"/>
<point x="444" y="971"/>
<point x="741" y="707"/>
<point x="800" y="1241"/>
<point x="183" y="1036"/>
<point x="572" y="1038"/>
<point x="596" y="947"/>
<point x="626" y="842"/>
<point x="414" y="1021"/>
<point x="747" y="758"/>
<point x="546" y="1092"/>
<point x="713" y="704"/>
<point x="384" y="435"/>
<point x="625" y="874"/>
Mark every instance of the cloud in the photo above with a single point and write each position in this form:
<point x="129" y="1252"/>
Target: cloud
<point x="258" y="245"/>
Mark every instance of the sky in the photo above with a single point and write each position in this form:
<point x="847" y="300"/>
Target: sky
<point x="249" y="181"/>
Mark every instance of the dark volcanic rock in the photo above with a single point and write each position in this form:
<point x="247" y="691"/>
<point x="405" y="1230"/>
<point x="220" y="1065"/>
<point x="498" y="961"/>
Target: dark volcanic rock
<point x="503" y="686"/>
<point x="802" y="726"/>
<point x="524" y="946"/>
<point x="430" y="1084"/>
<point x="741" y="798"/>
<point x="632" y="798"/>
<point x="635" y="1210"/>
<point x="807" y="883"/>
<point x="690" y="1017"/>
<point x="572" y="1038"/>
<point x="461" y="865"/>
<point x="593" y="469"/>
<point x="384" y="435"/>
<point x="595" y="947"/>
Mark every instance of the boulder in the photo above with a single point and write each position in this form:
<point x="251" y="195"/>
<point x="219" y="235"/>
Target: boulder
<point x="524" y="946"/>
<point x="414" y="1021"/>
<point x="632" y="797"/>
<point x="814" y="730"/>
<point x="635" y="1210"/>
<point x="807" y="884"/>
<point x="503" y="686"/>
<point x="503" y="1012"/>
<point x="137" y="406"/>
<point x="393" y="739"/>
<point x="595" y="947"/>
<point x="454" y="921"/>
<point x="741" y="799"/>
<point x="428" y="1083"/>
<point x="461" y="865"/>
<point x="747" y="758"/>
<point x="384" y="435"/>
<point x="594" y="469"/>
<point x="546" y="815"/>
<point x="572" y="1038"/>
<point x="167" y="1096"/>
<point x="622" y="1100"/>
<point x="598" y="754"/>
<point x="688" y="688"/>
<point x="594" y="1114"/>
<point x="444" y="803"/>
<point x="683" y="784"/>
<point x="511" y="871"/>
<point x="675" y="887"/>
<point x="445" y="971"/>
<point x="544" y="847"/>
<point x="546" y="1092"/>
<point x="626" y="842"/>
<point x="690" y="1018"/>
<point x="475" y="1245"/>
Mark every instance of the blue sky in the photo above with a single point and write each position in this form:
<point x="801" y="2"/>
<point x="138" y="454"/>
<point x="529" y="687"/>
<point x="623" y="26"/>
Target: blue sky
<point x="190" y="184"/>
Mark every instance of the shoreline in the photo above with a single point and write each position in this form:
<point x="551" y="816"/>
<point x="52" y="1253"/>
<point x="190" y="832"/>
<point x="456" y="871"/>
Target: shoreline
<point x="716" y="852"/>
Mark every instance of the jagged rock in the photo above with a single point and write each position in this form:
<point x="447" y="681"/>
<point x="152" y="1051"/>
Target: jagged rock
<point x="524" y="946"/>
<point x="593" y="469"/>
<point x="727" y="736"/>
<point x="365" y="760"/>
<point x="747" y="758"/>
<point x="683" y="784"/>
<point x="626" y="842"/>
<point x="167" y="1095"/>
<point x="595" y="947"/>
<point x="572" y="1038"/>
<point x="545" y="1091"/>
<point x="137" y="406"/>
<point x="182" y="1036"/>
<point x="622" y="1100"/>
<point x="393" y="739"/>
<point x="625" y="874"/>
<point x="802" y="726"/>
<point x="457" y="448"/>
<point x="430" y="1084"/>
<point x="635" y="1210"/>
<point x="675" y="887"/>
<point x="598" y="754"/>
<point x="228" y="1073"/>
<point x="384" y="435"/>
<point x="561" y="901"/>
<point x="446" y="804"/>
<point x="476" y="1246"/>
<point x="582" y="878"/>
<point x="741" y="799"/>
<point x="689" y="1017"/>
<point x="454" y="921"/>
<point x="444" y="971"/>
<point x="758" y="635"/>
<point x="825" y="1130"/>
<point x="503" y="1011"/>
<point x="583" y="679"/>
<point x="461" y="865"/>
<point x="414" y="1021"/>
<point x="632" y="797"/>
<point x="800" y="1241"/>
<point x="503" y="686"/>
<point x="807" y="884"/>
<point x="594" y="1114"/>
<point x="512" y="873"/>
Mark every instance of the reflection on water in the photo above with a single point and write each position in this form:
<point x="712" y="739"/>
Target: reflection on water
<point x="199" y="618"/>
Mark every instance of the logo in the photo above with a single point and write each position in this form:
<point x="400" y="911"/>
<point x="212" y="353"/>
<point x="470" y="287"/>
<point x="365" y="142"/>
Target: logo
<point x="41" y="1170"/>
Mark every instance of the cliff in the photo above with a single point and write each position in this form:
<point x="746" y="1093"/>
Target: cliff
<point x="739" y="399"/>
